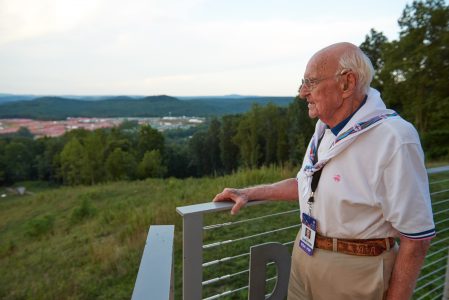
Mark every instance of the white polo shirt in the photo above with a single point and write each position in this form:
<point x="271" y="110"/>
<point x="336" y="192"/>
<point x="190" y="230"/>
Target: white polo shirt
<point x="376" y="188"/>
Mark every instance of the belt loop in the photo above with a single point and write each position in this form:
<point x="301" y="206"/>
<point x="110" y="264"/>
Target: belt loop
<point x="387" y="242"/>
<point x="334" y="245"/>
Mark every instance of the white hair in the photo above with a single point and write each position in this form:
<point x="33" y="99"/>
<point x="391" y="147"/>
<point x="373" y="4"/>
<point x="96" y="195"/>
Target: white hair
<point x="360" y="64"/>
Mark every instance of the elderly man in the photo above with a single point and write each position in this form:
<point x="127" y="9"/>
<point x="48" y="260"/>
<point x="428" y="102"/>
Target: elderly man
<point x="362" y="184"/>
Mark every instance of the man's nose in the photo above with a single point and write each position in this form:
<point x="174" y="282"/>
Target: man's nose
<point x="303" y="91"/>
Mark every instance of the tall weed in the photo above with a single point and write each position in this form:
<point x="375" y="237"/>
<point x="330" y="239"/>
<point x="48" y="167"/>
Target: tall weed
<point x="39" y="226"/>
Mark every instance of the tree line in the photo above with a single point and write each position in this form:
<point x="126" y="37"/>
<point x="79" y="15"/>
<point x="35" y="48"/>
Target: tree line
<point x="58" y="108"/>
<point x="265" y="135"/>
<point x="412" y="74"/>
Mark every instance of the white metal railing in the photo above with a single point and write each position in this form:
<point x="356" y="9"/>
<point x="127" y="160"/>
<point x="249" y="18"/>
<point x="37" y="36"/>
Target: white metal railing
<point x="429" y="285"/>
<point x="432" y="280"/>
<point x="192" y="269"/>
<point x="158" y="252"/>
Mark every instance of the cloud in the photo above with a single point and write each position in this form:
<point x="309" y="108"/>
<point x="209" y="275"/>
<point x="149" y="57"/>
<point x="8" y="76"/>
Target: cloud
<point x="23" y="19"/>
<point x="167" y="46"/>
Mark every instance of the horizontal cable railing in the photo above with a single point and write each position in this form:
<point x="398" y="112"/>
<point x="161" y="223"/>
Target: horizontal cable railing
<point x="440" y="202"/>
<point x="227" y="259"/>
<point x="441" y="222"/>
<point x="219" y="252"/>
<point x="431" y="282"/>
<point x="438" y="181"/>
<point x="441" y="212"/>
<point x="227" y="276"/>
<point x="435" y="262"/>
<point x="435" y="289"/>
<point x="224" y="259"/>
<point x="434" y="253"/>
<point x="249" y="220"/>
<point x="248" y="237"/>
<point x="439" y="192"/>
<point x="227" y="293"/>
<point x="428" y="283"/>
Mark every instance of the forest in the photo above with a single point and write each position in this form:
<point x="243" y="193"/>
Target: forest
<point x="412" y="74"/>
<point x="59" y="108"/>
<point x="129" y="152"/>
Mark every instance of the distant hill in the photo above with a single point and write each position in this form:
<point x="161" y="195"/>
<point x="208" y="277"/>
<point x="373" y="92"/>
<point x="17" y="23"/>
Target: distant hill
<point x="125" y="106"/>
<point x="5" y="98"/>
<point x="232" y="96"/>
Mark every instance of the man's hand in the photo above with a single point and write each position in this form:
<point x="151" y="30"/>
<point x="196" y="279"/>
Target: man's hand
<point x="283" y="190"/>
<point x="238" y="196"/>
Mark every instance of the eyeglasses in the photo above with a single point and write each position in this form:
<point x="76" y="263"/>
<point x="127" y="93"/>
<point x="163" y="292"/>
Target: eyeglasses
<point x="310" y="84"/>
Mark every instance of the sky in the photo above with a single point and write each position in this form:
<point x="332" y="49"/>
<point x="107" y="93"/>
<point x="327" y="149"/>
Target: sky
<point x="176" y="47"/>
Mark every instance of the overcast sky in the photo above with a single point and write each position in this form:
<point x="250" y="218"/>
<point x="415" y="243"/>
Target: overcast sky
<point x="175" y="47"/>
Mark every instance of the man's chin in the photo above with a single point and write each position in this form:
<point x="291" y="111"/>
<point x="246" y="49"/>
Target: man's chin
<point x="312" y="115"/>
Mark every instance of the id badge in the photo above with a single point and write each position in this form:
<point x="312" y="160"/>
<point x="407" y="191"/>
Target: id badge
<point x="308" y="233"/>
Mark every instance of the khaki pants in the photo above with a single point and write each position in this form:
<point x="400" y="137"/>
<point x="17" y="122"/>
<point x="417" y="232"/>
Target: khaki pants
<point x="330" y="275"/>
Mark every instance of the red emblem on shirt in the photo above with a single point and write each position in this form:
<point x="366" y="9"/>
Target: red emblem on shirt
<point x="337" y="178"/>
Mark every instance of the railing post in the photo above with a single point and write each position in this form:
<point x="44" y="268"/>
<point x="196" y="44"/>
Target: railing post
<point x="192" y="269"/>
<point x="157" y="255"/>
<point x="260" y="256"/>
<point x="192" y="240"/>
<point x="446" y="282"/>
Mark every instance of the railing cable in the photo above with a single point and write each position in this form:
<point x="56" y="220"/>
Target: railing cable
<point x="441" y="221"/>
<point x="224" y="259"/>
<point x="208" y="246"/>
<point x="440" y="241"/>
<point x="441" y="212"/>
<point x="439" y="181"/>
<point x="432" y="290"/>
<point x="226" y="293"/>
<point x="224" y="277"/>
<point x="227" y="276"/>
<point x="429" y="283"/>
<point x="443" y="230"/>
<point x="439" y="296"/>
<point x="440" y="202"/>
<point x="230" y="258"/>
<point x="248" y="220"/>
<point x="431" y="273"/>
<point x="432" y="263"/>
<point x="439" y="192"/>
<point x="435" y="253"/>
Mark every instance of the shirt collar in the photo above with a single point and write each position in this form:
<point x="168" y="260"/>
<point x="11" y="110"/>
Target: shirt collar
<point x="337" y="128"/>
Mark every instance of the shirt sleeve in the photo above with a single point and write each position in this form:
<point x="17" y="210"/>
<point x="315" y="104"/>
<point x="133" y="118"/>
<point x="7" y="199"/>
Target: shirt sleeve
<point x="406" y="202"/>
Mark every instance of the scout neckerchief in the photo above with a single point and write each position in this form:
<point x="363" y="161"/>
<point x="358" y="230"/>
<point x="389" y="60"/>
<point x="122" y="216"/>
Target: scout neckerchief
<point x="371" y="114"/>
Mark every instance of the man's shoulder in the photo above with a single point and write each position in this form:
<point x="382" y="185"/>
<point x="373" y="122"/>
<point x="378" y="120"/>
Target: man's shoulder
<point x="399" y="130"/>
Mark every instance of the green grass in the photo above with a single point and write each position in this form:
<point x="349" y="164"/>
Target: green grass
<point x="86" y="242"/>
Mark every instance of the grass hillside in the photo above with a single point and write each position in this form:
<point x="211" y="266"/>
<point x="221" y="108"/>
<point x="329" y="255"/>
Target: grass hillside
<point x="87" y="242"/>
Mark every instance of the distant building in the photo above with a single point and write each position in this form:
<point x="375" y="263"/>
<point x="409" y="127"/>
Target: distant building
<point x="57" y="128"/>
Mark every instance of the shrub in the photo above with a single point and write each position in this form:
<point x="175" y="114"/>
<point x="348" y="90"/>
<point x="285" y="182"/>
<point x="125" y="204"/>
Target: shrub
<point x="84" y="211"/>
<point x="40" y="226"/>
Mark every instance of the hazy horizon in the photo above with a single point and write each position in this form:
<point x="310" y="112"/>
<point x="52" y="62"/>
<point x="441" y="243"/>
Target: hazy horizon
<point x="130" y="95"/>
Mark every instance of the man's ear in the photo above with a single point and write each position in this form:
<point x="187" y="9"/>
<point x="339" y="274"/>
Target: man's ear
<point x="349" y="84"/>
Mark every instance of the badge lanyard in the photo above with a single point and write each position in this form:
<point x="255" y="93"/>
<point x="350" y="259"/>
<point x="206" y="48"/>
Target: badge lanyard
<point x="315" y="180"/>
<point x="309" y="224"/>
